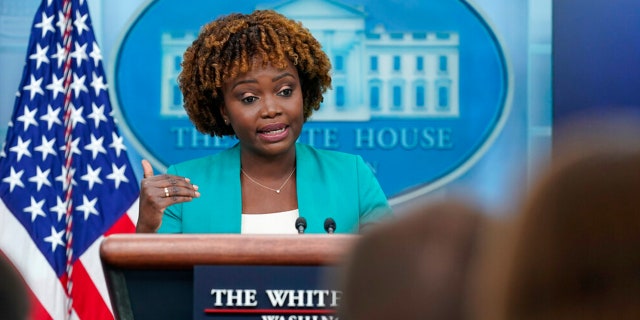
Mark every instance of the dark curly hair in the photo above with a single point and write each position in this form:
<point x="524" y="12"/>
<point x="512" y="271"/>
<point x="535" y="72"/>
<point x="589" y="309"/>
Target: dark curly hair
<point x="227" y="47"/>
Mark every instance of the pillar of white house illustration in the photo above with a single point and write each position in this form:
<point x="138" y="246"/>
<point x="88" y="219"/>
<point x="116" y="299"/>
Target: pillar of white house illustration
<point x="376" y="73"/>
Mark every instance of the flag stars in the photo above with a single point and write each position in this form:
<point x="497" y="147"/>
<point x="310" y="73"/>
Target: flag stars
<point x="46" y="147"/>
<point x="55" y="239"/>
<point x="80" y="53"/>
<point x="40" y="56"/>
<point x="117" y="175"/>
<point x="95" y="146"/>
<point x="92" y="176"/>
<point x="88" y="207"/>
<point x="97" y="114"/>
<point x="51" y="117"/>
<point x="78" y="84"/>
<point x="62" y="22"/>
<point x="21" y="148"/>
<point x="117" y="143"/>
<point x="14" y="179"/>
<point x="35" y="87"/>
<point x="74" y="147"/>
<point x="28" y="117"/>
<point x="35" y="209"/>
<point x="76" y="116"/>
<point x="46" y="24"/>
<point x="59" y="55"/>
<point x="41" y="178"/>
<point x="63" y="178"/>
<point x="96" y="54"/>
<point x="60" y="208"/>
<point x="98" y="83"/>
<point x="55" y="86"/>
<point x="81" y="22"/>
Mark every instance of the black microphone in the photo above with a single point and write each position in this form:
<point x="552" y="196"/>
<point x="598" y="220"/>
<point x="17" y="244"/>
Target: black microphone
<point x="301" y="224"/>
<point x="329" y="225"/>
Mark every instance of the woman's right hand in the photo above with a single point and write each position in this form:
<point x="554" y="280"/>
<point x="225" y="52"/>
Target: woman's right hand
<point x="159" y="192"/>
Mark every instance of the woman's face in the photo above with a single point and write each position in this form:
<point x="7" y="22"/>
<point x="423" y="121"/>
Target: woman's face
<point x="264" y="107"/>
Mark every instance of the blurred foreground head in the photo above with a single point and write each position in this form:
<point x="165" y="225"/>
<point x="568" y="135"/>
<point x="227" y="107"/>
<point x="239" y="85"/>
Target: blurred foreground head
<point x="414" y="267"/>
<point x="574" y="248"/>
<point x="14" y="301"/>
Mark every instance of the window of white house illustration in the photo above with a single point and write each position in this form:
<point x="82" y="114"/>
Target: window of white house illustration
<point x="444" y="90"/>
<point x="374" y="95"/>
<point x="420" y="94"/>
<point x="340" y="98"/>
<point x="419" y="63"/>
<point x="373" y="63"/>
<point x="397" y="63"/>
<point x="443" y="64"/>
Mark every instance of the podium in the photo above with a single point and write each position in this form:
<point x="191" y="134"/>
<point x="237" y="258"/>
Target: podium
<point x="150" y="276"/>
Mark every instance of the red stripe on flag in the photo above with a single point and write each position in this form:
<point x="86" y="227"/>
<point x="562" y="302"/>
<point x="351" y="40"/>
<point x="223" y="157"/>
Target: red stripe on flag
<point x="38" y="312"/>
<point x="123" y="225"/>
<point x="87" y="301"/>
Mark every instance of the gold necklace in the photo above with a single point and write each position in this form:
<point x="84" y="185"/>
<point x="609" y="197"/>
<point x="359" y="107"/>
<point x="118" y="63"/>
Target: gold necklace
<point x="262" y="185"/>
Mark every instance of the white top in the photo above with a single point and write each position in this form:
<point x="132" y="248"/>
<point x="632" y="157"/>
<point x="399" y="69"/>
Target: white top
<point x="270" y="223"/>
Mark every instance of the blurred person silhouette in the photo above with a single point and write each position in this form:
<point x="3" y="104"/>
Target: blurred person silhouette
<point x="572" y="251"/>
<point x="413" y="267"/>
<point x="14" y="300"/>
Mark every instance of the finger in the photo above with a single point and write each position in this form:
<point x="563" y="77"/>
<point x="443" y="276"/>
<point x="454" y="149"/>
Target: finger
<point x="147" y="169"/>
<point x="176" y="195"/>
<point x="177" y="181"/>
<point x="175" y="191"/>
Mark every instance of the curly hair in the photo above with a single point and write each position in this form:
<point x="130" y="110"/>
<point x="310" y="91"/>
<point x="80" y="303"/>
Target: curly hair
<point x="228" y="47"/>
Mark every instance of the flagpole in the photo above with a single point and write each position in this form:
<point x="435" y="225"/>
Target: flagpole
<point x="68" y="154"/>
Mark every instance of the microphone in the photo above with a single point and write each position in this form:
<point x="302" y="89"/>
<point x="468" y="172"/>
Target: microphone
<point x="301" y="224"/>
<point x="329" y="225"/>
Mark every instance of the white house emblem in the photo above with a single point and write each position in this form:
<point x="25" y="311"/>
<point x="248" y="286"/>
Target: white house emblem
<point x="420" y="90"/>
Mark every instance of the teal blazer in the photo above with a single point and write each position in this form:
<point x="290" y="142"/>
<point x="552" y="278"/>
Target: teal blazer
<point x="329" y="184"/>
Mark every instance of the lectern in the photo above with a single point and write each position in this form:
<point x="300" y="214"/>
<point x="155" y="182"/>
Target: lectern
<point x="150" y="276"/>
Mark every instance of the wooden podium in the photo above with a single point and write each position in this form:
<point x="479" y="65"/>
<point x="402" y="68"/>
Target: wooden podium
<point x="150" y="276"/>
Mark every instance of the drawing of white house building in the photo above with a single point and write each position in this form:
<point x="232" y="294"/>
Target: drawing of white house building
<point x="376" y="73"/>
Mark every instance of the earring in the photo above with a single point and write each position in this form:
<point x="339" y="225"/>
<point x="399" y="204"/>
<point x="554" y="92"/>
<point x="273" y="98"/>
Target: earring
<point x="226" y="122"/>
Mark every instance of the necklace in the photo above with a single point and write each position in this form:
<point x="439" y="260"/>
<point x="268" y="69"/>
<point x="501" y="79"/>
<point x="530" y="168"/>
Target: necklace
<point x="262" y="185"/>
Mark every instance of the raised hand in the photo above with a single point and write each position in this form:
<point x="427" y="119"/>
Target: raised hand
<point x="159" y="192"/>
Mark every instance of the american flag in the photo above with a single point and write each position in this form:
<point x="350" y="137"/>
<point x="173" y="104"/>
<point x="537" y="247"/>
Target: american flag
<point x="65" y="178"/>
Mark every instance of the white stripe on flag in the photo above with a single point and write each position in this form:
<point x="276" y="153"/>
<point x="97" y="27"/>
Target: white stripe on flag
<point x="35" y="269"/>
<point x="133" y="211"/>
<point x="92" y="263"/>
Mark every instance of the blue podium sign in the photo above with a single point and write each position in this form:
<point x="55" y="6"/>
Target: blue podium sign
<point x="265" y="292"/>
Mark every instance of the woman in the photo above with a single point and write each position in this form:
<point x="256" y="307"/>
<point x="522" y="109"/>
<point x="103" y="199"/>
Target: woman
<point x="258" y="77"/>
